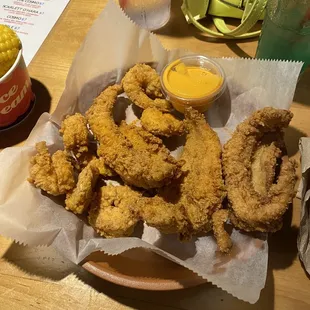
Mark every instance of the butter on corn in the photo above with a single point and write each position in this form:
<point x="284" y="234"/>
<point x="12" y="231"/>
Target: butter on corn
<point x="9" y="48"/>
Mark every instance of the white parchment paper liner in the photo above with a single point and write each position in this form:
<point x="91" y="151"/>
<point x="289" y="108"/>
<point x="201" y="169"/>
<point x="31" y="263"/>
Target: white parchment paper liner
<point x="112" y="45"/>
<point x="303" y="242"/>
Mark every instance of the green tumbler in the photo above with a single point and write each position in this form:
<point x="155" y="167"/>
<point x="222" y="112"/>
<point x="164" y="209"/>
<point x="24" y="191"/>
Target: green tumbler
<point x="286" y="31"/>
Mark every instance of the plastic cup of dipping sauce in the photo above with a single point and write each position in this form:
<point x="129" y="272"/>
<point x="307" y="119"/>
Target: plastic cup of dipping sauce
<point x="195" y="81"/>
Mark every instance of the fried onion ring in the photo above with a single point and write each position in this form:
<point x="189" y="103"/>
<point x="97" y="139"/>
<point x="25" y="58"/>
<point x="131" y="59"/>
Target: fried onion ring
<point x="142" y="86"/>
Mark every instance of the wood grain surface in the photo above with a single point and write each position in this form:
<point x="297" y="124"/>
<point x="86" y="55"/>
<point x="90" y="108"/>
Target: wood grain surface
<point x="41" y="279"/>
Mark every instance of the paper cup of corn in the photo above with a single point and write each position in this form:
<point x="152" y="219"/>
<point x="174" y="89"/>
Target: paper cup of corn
<point x="15" y="85"/>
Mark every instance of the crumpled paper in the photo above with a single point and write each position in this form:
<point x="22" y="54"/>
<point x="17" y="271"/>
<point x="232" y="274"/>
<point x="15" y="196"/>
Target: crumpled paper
<point x="113" y="45"/>
<point x="304" y="230"/>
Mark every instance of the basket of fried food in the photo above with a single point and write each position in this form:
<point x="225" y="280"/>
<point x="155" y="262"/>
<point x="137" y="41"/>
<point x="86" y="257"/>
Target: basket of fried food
<point x="249" y="184"/>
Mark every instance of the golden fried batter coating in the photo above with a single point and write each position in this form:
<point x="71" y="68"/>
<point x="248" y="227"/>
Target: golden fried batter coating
<point x="75" y="134"/>
<point x="222" y="237"/>
<point x="83" y="159"/>
<point x="255" y="209"/>
<point x="79" y="199"/>
<point x="161" y="124"/>
<point x="64" y="171"/>
<point x="114" y="211"/>
<point x="42" y="172"/>
<point x="168" y="217"/>
<point x="263" y="167"/>
<point x="104" y="170"/>
<point x="136" y="166"/>
<point x="187" y="208"/>
<point x="144" y="140"/>
<point x="203" y="186"/>
<point x="53" y="174"/>
<point x="141" y="83"/>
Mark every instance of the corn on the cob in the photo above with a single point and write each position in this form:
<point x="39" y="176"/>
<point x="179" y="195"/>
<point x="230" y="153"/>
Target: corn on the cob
<point x="9" y="48"/>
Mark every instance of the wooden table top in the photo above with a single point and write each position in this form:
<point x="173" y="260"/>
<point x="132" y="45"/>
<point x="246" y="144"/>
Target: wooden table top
<point x="32" y="278"/>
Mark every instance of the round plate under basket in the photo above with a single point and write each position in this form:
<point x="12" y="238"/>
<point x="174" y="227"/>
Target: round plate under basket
<point x="141" y="269"/>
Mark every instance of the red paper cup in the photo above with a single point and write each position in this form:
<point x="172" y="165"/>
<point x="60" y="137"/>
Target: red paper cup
<point x="15" y="92"/>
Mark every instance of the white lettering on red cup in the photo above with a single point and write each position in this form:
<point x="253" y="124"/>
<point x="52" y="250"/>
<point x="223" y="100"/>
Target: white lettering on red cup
<point x="15" y="92"/>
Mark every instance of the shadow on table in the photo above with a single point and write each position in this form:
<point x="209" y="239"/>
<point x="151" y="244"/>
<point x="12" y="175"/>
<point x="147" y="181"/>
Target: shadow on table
<point x="291" y="138"/>
<point x="283" y="244"/>
<point x="20" y="131"/>
<point x="206" y="296"/>
<point x="47" y="263"/>
<point x="177" y="25"/>
<point x="302" y="89"/>
<point x="232" y="44"/>
<point x="237" y="50"/>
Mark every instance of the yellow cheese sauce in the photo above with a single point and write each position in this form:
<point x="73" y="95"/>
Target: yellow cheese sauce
<point x="190" y="82"/>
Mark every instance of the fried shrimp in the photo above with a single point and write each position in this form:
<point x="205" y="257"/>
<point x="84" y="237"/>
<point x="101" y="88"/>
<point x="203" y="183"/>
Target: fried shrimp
<point x="75" y="134"/>
<point x="149" y="167"/>
<point x="79" y="199"/>
<point x="142" y="83"/>
<point x="222" y="237"/>
<point x="161" y="124"/>
<point x="189" y="205"/>
<point x="114" y="211"/>
<point x="53" y="174"/>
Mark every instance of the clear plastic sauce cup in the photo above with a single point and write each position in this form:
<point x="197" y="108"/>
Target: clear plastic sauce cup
<point x="195" y="81"/>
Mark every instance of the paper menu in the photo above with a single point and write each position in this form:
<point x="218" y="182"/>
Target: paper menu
<point x="32" y="20"/>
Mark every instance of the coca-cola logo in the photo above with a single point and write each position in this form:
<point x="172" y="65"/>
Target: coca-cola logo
<point x="7" y="109"/>
<point x="4" y="98"/>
